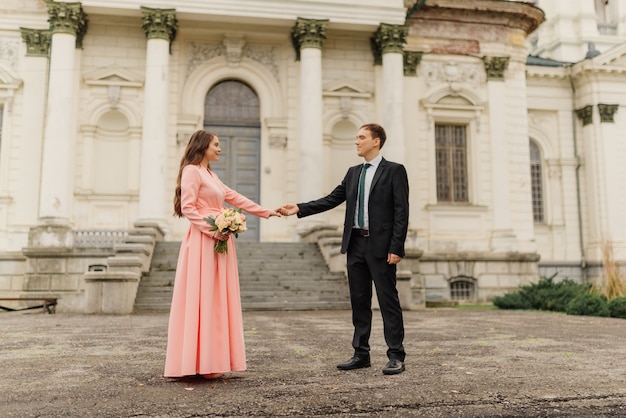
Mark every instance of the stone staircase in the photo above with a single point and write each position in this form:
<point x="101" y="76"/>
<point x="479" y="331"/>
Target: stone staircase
<point x="273" y="276"/>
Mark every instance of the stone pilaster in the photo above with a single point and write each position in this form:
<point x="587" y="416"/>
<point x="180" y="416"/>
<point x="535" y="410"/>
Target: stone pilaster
<point x="308" y="36"/>
<point x="160" y="29"/>
<point x="607" y="111"/>
<point x="411" y="61"/>
<point x="37" y="42"/>
<point x="495" y="67"/>
<point x="585" y="114"/>
<point x="68" y="18"/>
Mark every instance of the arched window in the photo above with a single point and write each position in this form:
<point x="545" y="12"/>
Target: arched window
<point x="536" y="182"/>
<point x="462" y="288"/>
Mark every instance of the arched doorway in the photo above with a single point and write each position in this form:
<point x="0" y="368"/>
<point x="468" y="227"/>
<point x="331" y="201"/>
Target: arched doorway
<point x="231" y="110"/>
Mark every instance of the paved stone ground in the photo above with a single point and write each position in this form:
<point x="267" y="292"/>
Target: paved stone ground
<point x="459" y="364"/>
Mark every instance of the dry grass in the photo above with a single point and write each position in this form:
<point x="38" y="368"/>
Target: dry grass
<point x="612" y="284"/>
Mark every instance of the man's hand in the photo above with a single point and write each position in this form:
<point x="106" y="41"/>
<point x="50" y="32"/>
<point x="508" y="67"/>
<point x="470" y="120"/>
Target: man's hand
<point x="393" y="259"/>
<point x="288" y="209"/>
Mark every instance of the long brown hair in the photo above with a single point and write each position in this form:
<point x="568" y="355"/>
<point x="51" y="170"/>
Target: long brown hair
<point x="194" y="154"/>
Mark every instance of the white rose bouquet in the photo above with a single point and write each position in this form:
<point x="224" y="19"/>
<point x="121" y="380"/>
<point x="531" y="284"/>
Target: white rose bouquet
<point x="228" y="221"/>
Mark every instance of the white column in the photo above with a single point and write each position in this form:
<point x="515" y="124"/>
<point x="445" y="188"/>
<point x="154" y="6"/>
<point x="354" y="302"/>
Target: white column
<point x="311" y="135"/>
<point x="308" y="36"/>
<point x="152" y="187"/>
<point x="159" y="26"/>
<point x="60" y="132"/>
<point x="387" y="45"/>
<point x="393" y="119"/>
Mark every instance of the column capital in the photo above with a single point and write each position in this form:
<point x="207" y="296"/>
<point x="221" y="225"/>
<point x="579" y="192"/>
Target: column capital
<point x="37" y="41"/>
<point x="159" y="23"/>
<point x="68" y="18"/>
<point x="411" y="61"/>
<point x="388" y="39"/>
<point x="607" y="111"/>
<point x="495" y="67"/>
<point x="585" y="114"/>
<point x="308" y="33"/>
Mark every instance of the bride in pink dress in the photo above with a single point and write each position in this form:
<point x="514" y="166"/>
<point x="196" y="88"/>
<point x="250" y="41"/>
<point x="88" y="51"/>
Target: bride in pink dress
<point x="205" y="334"/>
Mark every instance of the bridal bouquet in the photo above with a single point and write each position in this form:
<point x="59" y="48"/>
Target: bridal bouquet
<point x="228" y="221"/>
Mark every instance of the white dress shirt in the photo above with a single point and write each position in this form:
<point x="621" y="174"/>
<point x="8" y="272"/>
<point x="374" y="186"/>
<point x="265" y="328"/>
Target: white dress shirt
<point x="369" y="176"/>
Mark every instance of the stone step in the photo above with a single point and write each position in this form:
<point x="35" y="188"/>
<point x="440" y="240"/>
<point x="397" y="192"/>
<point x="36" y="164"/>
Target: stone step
<point x="285" y="276"/>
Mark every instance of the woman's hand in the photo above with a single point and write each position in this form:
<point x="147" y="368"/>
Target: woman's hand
<point x="219" y="236"/>
<point x="275" y="213"/>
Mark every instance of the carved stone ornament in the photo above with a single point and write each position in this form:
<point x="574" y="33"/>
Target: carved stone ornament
<point x="411" y="61"/>
<point x="9" y="51"/>
<point x="388" y="39"/>
<point x="263" y="54"/>
<point x="495" y="67"/>
<point x="234" y="48"/>
<point x="607" y="111"/>
<point x="452" y="73"/>
<point x="68" y="18"/>
<point x="159" y="23"/>
<point x="308" y="33"/>
<point x="585" y="114"/>
<point x="37" y="42"/>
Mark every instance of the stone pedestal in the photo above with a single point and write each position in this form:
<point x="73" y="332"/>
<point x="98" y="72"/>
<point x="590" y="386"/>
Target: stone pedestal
<point x="110" y="292"/>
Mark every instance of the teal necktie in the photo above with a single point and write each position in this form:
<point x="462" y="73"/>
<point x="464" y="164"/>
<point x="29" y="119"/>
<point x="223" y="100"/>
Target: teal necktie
<point x="361" y="210"/>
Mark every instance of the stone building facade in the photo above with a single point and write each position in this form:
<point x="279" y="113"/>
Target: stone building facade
<point x="510" y="136"/>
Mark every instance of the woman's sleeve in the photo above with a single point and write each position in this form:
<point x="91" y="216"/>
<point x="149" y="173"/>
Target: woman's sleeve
<point x="240" y="201"/>
<point x="190" y="186"/>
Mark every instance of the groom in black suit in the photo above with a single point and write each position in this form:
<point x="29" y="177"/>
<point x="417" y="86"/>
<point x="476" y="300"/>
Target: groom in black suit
<point x="376" y="222"/>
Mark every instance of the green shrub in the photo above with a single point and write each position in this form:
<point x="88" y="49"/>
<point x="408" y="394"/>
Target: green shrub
<point x="590" y="304"/>
<point x="543" y="295"/>
<point x="514" y="300"/>
<point x="617" y="307"/>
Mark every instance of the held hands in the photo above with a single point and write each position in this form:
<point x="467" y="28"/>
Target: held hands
<point x="288" y="209"/>
<point x="275" y="213"/>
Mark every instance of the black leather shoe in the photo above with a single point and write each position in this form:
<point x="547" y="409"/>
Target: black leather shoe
<point x="355" y="362"/>
<point x="394" y="367"/>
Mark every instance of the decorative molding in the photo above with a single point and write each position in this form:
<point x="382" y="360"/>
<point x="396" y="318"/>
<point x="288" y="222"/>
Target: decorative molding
<point x="159" y="23"/>
<point x="452" y="73"/>
<point x="495" y="67"/>
<point x="607" y="111"/>
<point x="277" y="132"/>
<point x="585" y="114"/>
<point x="411" y="61"/>
<point x="388" y="39"/>
<point x="263" y="54"/>
<point x="9" y="50"/>
<point x="113" y="76"/>
<point x="308" y="33"/>
<point x="68" y="18"/>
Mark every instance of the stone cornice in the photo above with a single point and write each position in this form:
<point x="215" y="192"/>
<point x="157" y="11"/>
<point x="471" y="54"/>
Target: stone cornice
<point x="516" y="15"/>
<point x="388" y="39"/>
<point x="68" y="18"/>
<point x="308" y="33"/>
<point x="37" y="41"/>
<point x="159" y="23"/>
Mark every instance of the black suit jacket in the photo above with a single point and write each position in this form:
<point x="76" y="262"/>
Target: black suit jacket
<point x="388" y="207"/>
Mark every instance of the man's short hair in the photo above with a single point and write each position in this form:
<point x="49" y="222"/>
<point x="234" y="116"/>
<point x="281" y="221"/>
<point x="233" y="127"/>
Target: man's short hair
<point x="377" y="131"/>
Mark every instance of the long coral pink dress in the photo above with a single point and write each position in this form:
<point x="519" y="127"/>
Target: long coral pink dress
<point x="205" y="333"/>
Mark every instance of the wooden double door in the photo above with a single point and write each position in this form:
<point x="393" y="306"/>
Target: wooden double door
<point x="232" y="112"/>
